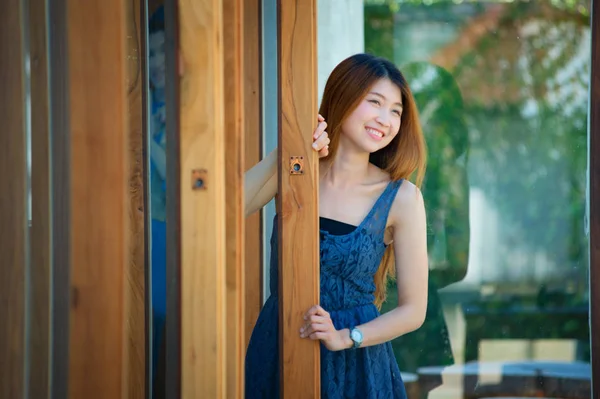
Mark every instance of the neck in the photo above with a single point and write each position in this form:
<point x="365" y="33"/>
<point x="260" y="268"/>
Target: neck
<point x="347" y="169"/>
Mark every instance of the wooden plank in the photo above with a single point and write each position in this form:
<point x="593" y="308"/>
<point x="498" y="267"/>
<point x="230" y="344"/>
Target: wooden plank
<point x="298" y="196"/>
<point x="253" y="257"/>
<point x="233" y="13"/>
<point x="98" y="196"/>
<point x="135" y="288"/>
<point x="202" y="178"/>
<point x="13" y="201"/>
<point x="594" y="199"/>
<point x="40" y="239"/>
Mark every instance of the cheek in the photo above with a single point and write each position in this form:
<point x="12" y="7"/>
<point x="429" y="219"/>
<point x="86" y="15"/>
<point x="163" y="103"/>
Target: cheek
<point x="395" y="128"/>
<point x="363" y="112"/>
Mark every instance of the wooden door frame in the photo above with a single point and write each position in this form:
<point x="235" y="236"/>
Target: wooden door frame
<point x="297" y="199"/>
<point x="253" y="94"/>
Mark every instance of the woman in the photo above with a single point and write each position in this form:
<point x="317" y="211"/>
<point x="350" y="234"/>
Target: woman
<point x="367" y="208"/>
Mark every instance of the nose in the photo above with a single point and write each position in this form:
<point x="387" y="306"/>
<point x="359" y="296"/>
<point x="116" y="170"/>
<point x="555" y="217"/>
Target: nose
<point x="383" y="119"/>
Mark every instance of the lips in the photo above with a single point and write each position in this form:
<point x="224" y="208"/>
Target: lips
<point x="375" y="134"/>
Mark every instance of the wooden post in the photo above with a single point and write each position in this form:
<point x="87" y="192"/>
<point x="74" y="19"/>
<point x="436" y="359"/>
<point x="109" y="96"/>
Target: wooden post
<point x="13" y="201"/>
<point x="98" y="196"/>
<point x="233" y="23"/>
<point x="252" y="142"/>
<point x="202" y="191"/>
<point x="135" y="282"/>
<point x="298" y="196"/>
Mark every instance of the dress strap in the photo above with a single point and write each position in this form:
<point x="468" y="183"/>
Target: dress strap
<point x="384" y="204"/>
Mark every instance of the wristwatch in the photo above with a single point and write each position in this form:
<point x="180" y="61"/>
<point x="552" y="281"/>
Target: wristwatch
<point x="356" y="337"/>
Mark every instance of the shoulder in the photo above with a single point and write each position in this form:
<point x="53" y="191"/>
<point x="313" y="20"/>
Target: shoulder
<point x="408" y="205"/>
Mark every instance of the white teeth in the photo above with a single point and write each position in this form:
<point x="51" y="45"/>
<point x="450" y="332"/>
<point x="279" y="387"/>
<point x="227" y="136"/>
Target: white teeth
<point x="375" y="132"/>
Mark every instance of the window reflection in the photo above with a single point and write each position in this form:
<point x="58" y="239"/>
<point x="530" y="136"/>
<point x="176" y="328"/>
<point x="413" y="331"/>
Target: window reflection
<point x="502" y="88"/>
<point x="158" y="166"/>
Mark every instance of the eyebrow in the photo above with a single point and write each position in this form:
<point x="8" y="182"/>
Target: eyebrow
<point x="382" y="96"/>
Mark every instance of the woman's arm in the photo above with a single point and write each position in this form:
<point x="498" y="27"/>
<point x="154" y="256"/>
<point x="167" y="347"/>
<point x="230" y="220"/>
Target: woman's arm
<point x="410" y="248"/>
<point x="410" y="251"/>
<point x="260" y="182"/>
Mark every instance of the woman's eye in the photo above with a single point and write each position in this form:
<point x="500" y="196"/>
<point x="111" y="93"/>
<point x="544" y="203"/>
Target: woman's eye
<point x="399" y="113"/>
<point x="376" y="102"/>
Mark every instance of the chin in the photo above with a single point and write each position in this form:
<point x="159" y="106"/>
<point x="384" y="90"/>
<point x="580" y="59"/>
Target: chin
<point x="373" y="147"/>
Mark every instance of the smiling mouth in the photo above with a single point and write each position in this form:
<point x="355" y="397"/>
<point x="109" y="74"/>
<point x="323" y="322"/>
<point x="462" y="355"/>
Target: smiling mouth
<point x="375" y="133"/>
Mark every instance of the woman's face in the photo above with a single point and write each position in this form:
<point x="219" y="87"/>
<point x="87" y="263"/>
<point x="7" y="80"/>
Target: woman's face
<point x="376" y="120"/>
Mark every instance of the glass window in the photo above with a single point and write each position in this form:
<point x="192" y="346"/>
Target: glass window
<point x="502" y="90"/>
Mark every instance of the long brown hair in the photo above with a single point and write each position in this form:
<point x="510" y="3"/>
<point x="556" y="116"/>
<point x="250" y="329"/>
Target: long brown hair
<point x="403" y="158"/>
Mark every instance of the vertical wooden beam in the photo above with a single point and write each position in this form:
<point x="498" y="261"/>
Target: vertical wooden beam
<point x="135" y="287"/>
<point x="13" y="201"/>
<point x="233" y="19"/>
<point x="298" y="196"/>
<point x="252" y="142"/>
<point x="40" y="239"/>
<point x="202" y="174"/>
<point x="594" y="198"/>
<point x="98" y="196"/>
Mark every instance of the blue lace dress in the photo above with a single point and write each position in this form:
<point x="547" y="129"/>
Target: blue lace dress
<point x="348" y="264"/>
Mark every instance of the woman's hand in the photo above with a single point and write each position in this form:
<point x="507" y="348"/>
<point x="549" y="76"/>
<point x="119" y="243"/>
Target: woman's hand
<point x="320" y="327"/>
<point x="321" y="139"/>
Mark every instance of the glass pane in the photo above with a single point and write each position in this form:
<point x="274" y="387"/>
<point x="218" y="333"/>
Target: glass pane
<point x="502" y="90"/>
<point x="157" y="167"/>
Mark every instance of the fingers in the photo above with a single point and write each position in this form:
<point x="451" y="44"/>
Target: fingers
<point x="319" y="336"/>
<point x="319" y="130"/>
<point x="318" y="319"/>
<point x="324" y="152"/>
<point x="316" y="310"/>
<point x="315" y="327"/>
<point x="322" y="142"/>
<point x="321" y="138"/>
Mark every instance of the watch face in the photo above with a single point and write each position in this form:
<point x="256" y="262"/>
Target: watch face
<point x="356" y="336"/>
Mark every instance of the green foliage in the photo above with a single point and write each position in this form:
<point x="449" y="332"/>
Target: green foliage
<point x="579" y="6"/>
